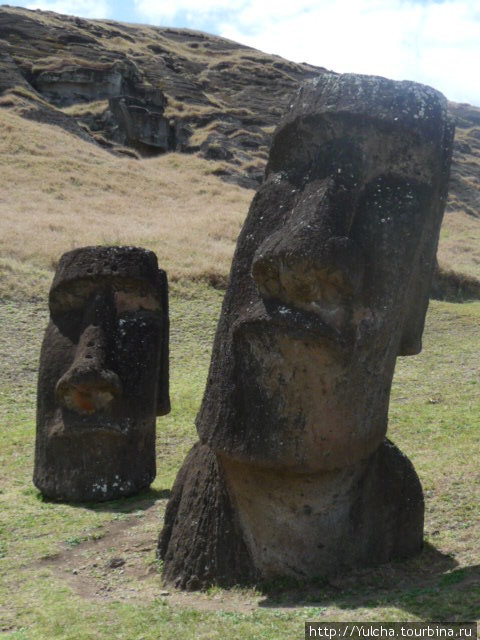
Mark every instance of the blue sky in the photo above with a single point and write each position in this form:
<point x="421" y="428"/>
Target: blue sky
<point x="436" y="42"/>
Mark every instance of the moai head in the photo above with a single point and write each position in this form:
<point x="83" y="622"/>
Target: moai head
<point x="331" y="276"/>
<point x="103" y="374"/>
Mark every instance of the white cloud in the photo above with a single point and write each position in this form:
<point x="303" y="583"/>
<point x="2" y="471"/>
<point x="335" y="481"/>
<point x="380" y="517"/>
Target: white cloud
<point x="164" y="11"/>
<point x="436" y="43"/>
<point x="433" y="43"/>
<point x="83" y="8"/>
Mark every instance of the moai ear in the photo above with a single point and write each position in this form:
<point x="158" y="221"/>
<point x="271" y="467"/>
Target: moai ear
<point x="418" y="295"/>
<point x="163" y="395"/>
<point x="411" y="340"/>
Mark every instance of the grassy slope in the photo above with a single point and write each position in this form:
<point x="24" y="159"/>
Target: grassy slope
<point x="175" y="206"/>
<point x="61" y="192"/>
<point x="459" y="248"/>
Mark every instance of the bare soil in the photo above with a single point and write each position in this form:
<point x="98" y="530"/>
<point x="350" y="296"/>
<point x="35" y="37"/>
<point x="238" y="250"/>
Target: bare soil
<point x="122" y="566"/>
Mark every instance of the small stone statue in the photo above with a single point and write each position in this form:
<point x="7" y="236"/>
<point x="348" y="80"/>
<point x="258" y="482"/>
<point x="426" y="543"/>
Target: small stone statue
<point x="293" y="475"/>
<point x="103" y="375"/>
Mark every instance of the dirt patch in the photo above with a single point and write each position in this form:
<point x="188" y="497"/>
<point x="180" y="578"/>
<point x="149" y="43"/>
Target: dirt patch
<point x="118" y="565"/>
<point x="121" y="566"/>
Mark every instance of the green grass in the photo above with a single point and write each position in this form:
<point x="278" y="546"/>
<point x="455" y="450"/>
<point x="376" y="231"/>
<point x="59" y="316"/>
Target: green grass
<point x="434" y="418"/>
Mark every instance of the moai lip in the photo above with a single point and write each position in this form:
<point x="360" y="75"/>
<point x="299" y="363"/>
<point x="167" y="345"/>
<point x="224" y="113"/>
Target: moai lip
<point x="293" y="474"/>
<point x="103" y="375"/>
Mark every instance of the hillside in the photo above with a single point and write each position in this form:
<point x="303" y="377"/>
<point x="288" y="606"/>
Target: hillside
<point x="187" y="91"/>
<point x="61" y="192"/>
<point x="87" y="111"/>
<point x="136" y="91"/>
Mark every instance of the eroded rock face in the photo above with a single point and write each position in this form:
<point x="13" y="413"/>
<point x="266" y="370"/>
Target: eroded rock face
<point x="141" y="124"/>
<point x="329" y="284"/>
<point x="103" y="375"/>
<point x="72" y="83"/>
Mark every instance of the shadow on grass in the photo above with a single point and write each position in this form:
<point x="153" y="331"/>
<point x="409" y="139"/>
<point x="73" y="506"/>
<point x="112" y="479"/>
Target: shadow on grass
<point x="429" y="586"/>
<point x="139" y="502"/>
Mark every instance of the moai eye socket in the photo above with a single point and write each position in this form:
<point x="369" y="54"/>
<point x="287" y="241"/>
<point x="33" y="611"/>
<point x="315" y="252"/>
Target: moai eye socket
<point x="139" y="299"/>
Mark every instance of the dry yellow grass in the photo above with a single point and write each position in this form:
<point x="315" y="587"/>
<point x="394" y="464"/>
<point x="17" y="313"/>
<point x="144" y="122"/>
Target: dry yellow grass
<point x="60" y="192"/>
<point x="459" y="247"/>
<point x="57" y="63"/>
<point x="83" y="109"/>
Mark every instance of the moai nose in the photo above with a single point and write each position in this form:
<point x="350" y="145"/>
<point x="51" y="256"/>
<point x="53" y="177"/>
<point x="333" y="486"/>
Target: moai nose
<point x="316" y="271"/>
<point x="89" y="386"/>
<point x="311" y="259"/>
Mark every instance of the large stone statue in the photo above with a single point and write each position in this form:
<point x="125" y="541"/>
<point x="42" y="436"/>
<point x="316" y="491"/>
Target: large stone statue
<point x="103" y="375"/>
<point x="329" y="283"/>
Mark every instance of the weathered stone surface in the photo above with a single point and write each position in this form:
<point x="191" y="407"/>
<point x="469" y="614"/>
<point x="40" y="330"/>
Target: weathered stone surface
<point x="70" y="83"/>
<point x="141" y="124"/>
<point x="10" y="75"/>
<point x="329" y="284"/>
<point x="103" y="375"/>
<point x="200" y="515"/>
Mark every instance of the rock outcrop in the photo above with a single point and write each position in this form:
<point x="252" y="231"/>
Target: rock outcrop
<point x="82" y="82"/>
<point x="140" y="123"/>
<point x="223" y="100"/>
<point x="216" y="97"/>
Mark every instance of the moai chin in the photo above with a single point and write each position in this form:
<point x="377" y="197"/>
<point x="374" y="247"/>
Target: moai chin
<point x="103" y="375"/>
<point x="293" y="475"/>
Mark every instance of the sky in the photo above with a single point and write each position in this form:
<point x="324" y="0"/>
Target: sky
<point x="436" y="42"/>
